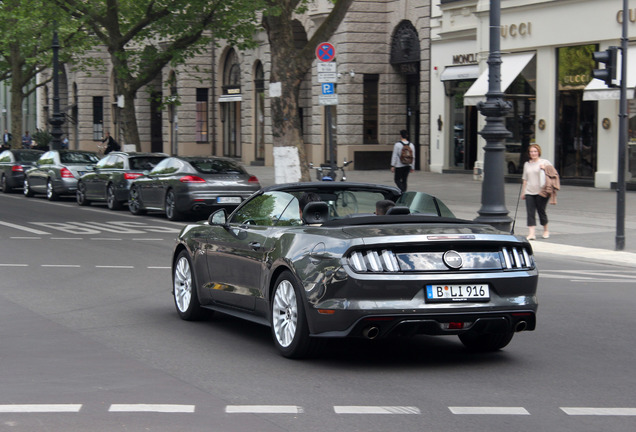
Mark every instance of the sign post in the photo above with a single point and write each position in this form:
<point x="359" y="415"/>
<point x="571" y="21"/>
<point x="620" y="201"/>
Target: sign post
<point x="327" y="76"/>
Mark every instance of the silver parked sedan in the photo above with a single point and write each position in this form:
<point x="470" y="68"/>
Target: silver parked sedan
<point x="182" y="185"/>
<point x="56" y="172"/>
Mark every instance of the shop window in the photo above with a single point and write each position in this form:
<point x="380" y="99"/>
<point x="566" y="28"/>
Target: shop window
<point x="98" y="118"/>
<point x="370" y="108"/>
<point x="202" y="115"/>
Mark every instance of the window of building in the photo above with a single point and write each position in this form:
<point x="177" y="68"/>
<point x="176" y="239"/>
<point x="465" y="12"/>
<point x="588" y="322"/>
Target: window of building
<point x="202" y="115"/>
<point x="98" y="118"/>
<point x="370" y="109"/>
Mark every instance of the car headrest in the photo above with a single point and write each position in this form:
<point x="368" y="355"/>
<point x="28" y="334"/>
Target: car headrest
<point x="398" y="210"/>
<point x="316" y="212"/>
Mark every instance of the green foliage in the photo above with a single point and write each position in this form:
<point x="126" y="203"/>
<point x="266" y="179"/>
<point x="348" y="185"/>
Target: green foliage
<point x="42" y="138"/>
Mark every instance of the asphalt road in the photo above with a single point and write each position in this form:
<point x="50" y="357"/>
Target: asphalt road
<point x="90" y="341"/>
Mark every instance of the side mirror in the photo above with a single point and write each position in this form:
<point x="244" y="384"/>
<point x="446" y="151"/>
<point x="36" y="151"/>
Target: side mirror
<point x="219" y="217"/>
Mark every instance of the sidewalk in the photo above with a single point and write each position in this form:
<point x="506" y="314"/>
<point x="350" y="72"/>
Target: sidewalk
<point x="582" y="224"/>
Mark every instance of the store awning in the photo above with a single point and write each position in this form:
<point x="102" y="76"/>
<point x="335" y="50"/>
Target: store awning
<point x="456" y="73"/>
<point x="597" y="90"/>
<point x="511" y="67"/>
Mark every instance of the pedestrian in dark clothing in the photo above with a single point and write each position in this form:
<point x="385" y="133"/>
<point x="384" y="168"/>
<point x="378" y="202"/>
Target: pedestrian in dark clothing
<point x="111" y="144"/>
<point x="27" y="141"/>
<point x="403" y="160"/>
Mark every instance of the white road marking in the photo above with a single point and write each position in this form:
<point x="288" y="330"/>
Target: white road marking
<point x="162" y="408"/>
<point x="25" y="238"/>
<point x="66" y="238"/>
<point x="14" y="265"/>
<point x="61" y="265"/>
<point x="489" y="410"/>
<point x="105" y="238"/>
<point x="23" y="228"/>
<point x="40" y="408"/>
<point x="147" y="239"/>
<point x="263" y="409"/>
<point x="114" y="267"/>
<point x="573" y="411"/>
<point x="161" y="268"/>
<point x="349" y="409"/>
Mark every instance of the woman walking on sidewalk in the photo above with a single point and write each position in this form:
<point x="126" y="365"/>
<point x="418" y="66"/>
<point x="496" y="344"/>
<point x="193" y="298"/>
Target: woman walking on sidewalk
<point x="533" y="181"/>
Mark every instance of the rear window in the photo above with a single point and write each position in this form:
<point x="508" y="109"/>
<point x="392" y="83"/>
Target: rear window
<point x="145" y="163"/>
<point x="78" y="158"/>
<point x="217" y="166"/>
<point x="27" y="156"/>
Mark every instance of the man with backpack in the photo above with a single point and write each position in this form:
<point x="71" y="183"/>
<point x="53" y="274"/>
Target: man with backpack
<point x="403" y="160"/>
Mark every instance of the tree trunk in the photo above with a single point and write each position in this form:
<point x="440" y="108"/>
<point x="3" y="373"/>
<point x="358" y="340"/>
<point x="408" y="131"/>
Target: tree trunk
<point x="128" y="121"/>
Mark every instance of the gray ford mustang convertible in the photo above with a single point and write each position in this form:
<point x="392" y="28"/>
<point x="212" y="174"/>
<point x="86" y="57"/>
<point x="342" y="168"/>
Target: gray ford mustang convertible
<point x="336" y="270"/>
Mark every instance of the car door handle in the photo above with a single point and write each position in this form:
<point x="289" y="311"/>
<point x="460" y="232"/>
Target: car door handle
<point x="255" y="245"/>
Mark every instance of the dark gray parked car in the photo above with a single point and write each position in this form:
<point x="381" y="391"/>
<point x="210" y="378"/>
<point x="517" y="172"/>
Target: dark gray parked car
<point x="110" y="179"/>
<point x="13" y="164"/>
<point x="182" y="185"/>
<point x="56" y="172"/>
<point x="336" y="270"/>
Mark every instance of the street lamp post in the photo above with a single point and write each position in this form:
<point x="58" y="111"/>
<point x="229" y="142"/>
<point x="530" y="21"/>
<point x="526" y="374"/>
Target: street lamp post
<point x="493" y="210"/>
<point x="57" y="120"/>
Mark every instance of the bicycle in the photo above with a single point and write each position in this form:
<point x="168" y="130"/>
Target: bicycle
<point x="324" y="172"/>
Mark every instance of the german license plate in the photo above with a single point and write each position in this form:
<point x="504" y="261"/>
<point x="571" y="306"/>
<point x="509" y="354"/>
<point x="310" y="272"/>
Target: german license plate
<point x="229" y="200"/>
<point x="453" y="293"/>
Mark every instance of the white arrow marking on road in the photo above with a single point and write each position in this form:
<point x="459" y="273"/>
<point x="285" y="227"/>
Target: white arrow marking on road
<point x="23" y="228"/>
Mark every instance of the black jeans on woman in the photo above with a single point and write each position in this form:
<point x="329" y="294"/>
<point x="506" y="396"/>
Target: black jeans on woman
<point x="536" y="204"/>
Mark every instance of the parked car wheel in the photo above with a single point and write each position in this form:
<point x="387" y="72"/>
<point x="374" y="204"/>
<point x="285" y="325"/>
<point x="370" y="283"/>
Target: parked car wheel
<point x="27" y="189"/>
<point x="111" y="200"/>
<point x="184" y="290"/>
<point x="171" y="207"/>
<point x="134" y="202"/>
<point x="51" y="195"/>
<point x="289" y="324"/>
<point x="4" y="185"/>
<point x="80" y="195"/>
<point x="485" y="342"/>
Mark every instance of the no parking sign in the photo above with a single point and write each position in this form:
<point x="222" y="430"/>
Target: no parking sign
<point x="325" y="52"/>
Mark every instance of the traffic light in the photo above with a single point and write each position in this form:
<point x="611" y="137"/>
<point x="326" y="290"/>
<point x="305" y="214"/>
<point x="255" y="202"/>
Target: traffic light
<point x="608" y="57"/>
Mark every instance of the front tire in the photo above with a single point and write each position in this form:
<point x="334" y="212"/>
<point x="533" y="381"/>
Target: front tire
<point x="134" y="202"/>
<point x="4" y="184"/>
<point x="51" y="195"/>
<point x="80" y="195"/>
<point x="184" y="289"/>
<point x="288" y="321"/>
<point x="27" y="189"/>
<point x="485" y="342"/>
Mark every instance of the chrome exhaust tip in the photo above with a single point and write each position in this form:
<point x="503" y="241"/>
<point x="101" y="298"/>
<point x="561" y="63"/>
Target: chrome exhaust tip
<point x="371" y="332"/>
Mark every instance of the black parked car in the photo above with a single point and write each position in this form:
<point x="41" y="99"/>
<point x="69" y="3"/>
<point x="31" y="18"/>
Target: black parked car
<point x="56" y="172"/>
<point x="13" y="164"/>
<point x="110" y="179"/>
<point x="336" y="270"/>
<point x="181" y="185"/>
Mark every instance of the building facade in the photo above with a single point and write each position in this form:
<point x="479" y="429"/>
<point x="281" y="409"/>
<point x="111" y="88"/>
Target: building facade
<point x="382" y="69"/>
<point x="546" y="76"/>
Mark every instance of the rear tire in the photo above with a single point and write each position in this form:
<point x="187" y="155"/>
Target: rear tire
<point x="111" y="199"/>
<point x="290" y="330"/>
<point x="134" y="202"/>
<point x="4" y="184"/>
<point x="80" y="195"/>
<point x="51" y="195"/>
<point x="184" y="289"/>
<point x="485" y="342"/>
<point x="171" y="207"/>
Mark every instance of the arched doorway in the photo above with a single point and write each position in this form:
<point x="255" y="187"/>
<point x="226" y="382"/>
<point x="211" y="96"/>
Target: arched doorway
<point x="405" y="57"/>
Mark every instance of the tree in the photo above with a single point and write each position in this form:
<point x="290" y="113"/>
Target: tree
<point x="27" y="28"/>
<point x="144" y="36"/>
<point x="289" y="66"/>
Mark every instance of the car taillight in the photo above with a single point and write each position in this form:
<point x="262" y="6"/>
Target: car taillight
<point x="191" y="179"/>
<point x="132" y="176"/>
<point x="253" y="179"/>
<point x="66" y="173"/>
<point x="17" y="168"/>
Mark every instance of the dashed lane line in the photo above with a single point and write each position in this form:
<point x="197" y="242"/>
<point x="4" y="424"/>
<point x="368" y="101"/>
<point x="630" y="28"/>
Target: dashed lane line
<point x="158" y="408"/>
<point x="40" y="408"/>
<point x="573" y="411"/>
<point x="350" y="409"/>
<point x="263" y="409"/>
<point x="489" y="410"/>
